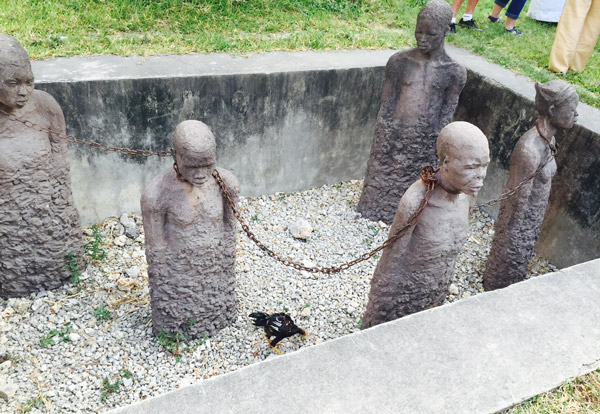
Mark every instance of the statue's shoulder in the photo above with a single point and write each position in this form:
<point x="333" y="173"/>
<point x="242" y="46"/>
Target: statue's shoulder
<point x="230" y="180"/>
<point x="455" y="69"/>
<point x="401" y="56"/>
<point x="411" y="200"/>
<point x="159" y="189"/>
<point x="528" y="147"/>
<point x="45" y="100"/>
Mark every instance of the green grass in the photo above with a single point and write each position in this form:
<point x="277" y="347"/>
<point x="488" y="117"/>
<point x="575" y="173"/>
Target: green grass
<point x="581" y="395"/>
<point x="52" y="28"/>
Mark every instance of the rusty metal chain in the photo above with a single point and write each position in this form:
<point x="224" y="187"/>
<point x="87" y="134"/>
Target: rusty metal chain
<point x="95" y="145"/>
<point x="427" y="175"/>
<point x="521" y="184"/>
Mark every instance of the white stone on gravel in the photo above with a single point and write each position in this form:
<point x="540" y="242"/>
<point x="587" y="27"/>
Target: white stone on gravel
<point x="70" y="373"/>
<point x="8" y="390"/>
<point x="121" y="240"/>
<point x="301" y="229"/>
<point x="133" y="272"/>
<point x="5" y="366"/>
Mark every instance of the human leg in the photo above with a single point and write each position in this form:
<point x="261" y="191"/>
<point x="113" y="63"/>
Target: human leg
<point x="510" y="23"/>
<point x="471" y="6"/>
<point x="498" y="6"/>
<point x="514" y="9"/>
<point x="568" y="32"/>
<point x="588" y="38"/>
<point x="456" y="6"/>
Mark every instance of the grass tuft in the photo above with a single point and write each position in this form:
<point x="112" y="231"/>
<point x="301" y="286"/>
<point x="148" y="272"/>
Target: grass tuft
<point x="580" y="395"/>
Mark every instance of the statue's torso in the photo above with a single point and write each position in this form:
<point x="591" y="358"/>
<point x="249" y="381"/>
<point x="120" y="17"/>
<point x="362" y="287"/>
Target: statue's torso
<point x="22" y="149"/>
<point x="421" y="87"/>
<point x="431" y="251"/>
<point x="196" y="216"/>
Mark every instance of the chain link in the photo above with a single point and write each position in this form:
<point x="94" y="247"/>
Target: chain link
<point x="521" y="184"/>
<point x="95" y="145"/>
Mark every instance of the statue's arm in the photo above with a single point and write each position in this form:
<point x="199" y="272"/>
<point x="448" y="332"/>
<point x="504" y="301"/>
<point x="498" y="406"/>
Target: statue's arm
<point x="459" y="79"/>
<point x="391" y="89"/>
<point x="154" y="218"/>
<point x="233" y="186"/>
<point x="407" y="208"/>
<point x="58" y="146"/>
<point x="524" y="162"/>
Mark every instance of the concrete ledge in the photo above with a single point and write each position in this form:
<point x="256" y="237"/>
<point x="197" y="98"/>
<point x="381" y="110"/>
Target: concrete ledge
<point x="97" y="68"/>
<point x="478" y="355"/>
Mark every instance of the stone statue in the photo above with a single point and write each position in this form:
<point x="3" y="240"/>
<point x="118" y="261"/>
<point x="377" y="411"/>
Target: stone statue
<point x="190" y="239"/>
<point x="39" y="224"/>
<point x="415" y="271"/>
<point x="420" y="94"/>
<point x="520" y="216"/>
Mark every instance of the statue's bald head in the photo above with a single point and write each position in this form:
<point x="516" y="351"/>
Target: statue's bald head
<point x="12" y="55"/>
<point x="195" y="138"/>
<point x="195" y="152"/>
<point x="464" y="157"/>
<point x="457" y="137"/>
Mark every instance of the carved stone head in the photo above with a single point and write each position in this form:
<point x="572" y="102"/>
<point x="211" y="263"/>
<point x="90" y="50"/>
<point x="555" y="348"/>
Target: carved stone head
<point x="16" y="77"/>
<point x="464" y="156"/>
<point x="557" y="100"/>
<point x="195" y="152"/>
<point x="433" y="24"/>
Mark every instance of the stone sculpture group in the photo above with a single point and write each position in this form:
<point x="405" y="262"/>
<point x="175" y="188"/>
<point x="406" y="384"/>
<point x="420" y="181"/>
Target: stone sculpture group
<point x="190" y="228"/>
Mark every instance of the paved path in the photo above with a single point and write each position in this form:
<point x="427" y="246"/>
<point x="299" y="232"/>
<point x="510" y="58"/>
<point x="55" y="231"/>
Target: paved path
<point x="478" y="355"/>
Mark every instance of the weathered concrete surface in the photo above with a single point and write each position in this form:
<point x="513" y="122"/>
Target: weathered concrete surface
<point x="315" y="111"/>
<point x="478" y="355"/>
<point x="283" y="121"/>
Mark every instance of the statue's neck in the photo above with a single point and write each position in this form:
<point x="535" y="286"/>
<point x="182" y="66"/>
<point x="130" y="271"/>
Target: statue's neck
<point x="433" y="55"/>
<point x="545" y="127"/>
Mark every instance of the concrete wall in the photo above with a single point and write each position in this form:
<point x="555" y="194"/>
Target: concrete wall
<point x="287" y="121"/>
<point x="279" y="126"/>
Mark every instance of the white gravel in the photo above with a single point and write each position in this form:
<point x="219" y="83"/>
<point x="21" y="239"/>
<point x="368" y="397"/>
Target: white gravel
<point x="68" y="376"/>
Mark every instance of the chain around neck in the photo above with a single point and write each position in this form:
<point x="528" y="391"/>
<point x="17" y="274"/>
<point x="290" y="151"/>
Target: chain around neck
<point x="550" y="144"/>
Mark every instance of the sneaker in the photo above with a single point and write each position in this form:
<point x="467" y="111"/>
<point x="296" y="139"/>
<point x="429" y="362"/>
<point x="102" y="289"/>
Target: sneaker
<point x="513" y="31"/>
<point x="470" y="24"/>
<point x="493" y="19"/>
<point x="452" y="27"/>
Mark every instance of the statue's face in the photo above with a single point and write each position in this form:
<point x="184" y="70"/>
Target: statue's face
<point x="196" y="168"/>
<point x="466" y="170"/>
<point x="16" y="86"/>
<point x="565" y="115"/>
<point x="429" y="35"/>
